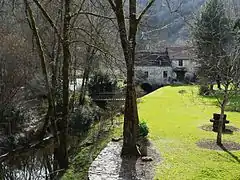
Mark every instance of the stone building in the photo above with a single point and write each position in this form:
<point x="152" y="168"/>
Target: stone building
<point x="156" y="69"/>
<point x="153" y="68"/>
<point x="183" y="63"/>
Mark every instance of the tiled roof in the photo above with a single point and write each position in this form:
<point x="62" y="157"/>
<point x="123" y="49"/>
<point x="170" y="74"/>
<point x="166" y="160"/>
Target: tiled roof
<point x="147" y="58"/>
<point x="180" y="52"/>
<point x="163" y="58"/>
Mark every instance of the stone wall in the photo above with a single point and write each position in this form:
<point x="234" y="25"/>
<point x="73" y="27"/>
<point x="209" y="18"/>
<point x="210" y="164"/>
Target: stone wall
<point x="155" y="74"/>
<point x="190" y="65"/>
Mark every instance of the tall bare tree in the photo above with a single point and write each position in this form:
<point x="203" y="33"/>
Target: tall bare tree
<point x="127" y="31"/>
<point x="63" y="29"/>
<point x="16" y="69"/>
<point x="64" y="38"/>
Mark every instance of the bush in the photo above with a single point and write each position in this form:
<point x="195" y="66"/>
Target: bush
<point x="10" y="119"/>
<point x="204" y="90"/>
<point x="234" y="104"/>
<point x="84" y="117"/>
<point x="143" y="128"/>
<point x="102" y="82"/>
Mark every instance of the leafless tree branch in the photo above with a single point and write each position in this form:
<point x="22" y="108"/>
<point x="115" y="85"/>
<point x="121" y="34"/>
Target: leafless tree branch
<point x="150" y="3"/>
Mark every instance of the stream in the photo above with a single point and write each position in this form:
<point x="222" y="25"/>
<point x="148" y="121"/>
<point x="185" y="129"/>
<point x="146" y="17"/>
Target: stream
<point x="29" y="163"/>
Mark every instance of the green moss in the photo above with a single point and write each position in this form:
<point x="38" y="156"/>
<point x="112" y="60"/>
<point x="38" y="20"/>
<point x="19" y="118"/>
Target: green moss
<point x="83" y="156"/>
<point x="174" y="119"/>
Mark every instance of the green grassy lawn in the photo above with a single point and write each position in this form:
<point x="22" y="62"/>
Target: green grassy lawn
<point x="174" y="119"/>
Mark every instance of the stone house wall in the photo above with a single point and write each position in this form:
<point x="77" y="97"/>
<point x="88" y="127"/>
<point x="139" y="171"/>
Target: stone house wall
<point x="154" y="75"/>
<point x="189" y="64"/>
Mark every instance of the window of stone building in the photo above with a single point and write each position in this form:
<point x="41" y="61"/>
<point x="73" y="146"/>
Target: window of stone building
<point x="165" y="74"/>
<point x="180" y="62"/>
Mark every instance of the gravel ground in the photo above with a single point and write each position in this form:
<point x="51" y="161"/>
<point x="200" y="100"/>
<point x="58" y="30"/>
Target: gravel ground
<point x="109" y="165"/>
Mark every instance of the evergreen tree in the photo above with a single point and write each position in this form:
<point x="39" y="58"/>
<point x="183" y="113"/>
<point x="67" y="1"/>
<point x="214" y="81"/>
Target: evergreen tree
<point x="211" y="36"/>
<point x="217" y="54"/>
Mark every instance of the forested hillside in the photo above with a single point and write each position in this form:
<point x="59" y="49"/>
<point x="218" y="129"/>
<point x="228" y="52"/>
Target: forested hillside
<point x="170" y="23"/>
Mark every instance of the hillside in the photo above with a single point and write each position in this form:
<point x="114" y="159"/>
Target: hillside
<point x="161" y="26"/>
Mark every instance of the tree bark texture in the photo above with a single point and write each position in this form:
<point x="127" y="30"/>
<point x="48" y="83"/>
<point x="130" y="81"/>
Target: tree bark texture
<point x="63" y="123"/>
<point x="50" y="112"/>
<point x="128" y="43"/>
<point x="88" y="67"/>
<point x="220" y="125"/>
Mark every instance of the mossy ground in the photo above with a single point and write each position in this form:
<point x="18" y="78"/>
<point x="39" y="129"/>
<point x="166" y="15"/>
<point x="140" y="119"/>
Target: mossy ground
<point x="83" y="155"/>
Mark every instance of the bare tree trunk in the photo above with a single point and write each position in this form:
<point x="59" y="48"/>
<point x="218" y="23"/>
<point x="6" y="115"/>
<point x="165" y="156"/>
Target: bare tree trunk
<point x="55" y="73"/>
<point x="1" y="87"/>
<point x="221" y="120"/>
<point x="128" y="43"/>
<point x="50" y="112"/>
<point x="61" y="154"/>
<point x="63" y="123"/>
<point x="218" y="82"/>
<point x="85" y="75"/>
<point x="74" y="80"/>
<point x="49" y="167"/>
<point x="211" y="87"/>
<point x="220" y="126"/>
<point x="89" y="62"/>
<point x="128" y="46"/>
<point x="45" y="124"/>
<point x="85" y="88"/>
<point x="82" y="94"/>
<point x="73" y="97"/>
<point x="1" y="171"/>
<point x="130" y="117"/>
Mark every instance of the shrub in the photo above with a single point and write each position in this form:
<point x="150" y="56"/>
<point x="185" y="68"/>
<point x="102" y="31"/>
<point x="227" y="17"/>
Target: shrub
<point x="102" y="82"/>
<point x="84" y="117"/>
<point x="233" y="105"/>
<point x="204" y="90"/>
<point x="143" y="128"/>
<point x="11" y="118"/>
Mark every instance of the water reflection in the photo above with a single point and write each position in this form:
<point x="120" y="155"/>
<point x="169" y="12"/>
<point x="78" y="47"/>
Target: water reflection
<point x="34" y="164"/>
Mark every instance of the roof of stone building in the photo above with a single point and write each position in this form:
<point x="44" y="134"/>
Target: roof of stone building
<point x="149" y="58"/>
<point x="180" y="52"/>
<point x="164" y="57"/>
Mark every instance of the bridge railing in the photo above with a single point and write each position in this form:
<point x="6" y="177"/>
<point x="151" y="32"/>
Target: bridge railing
<point x="108" y="96"/>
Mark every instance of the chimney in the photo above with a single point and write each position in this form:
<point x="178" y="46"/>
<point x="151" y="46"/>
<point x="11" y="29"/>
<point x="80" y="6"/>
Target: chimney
<point x="166" y="51"/>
